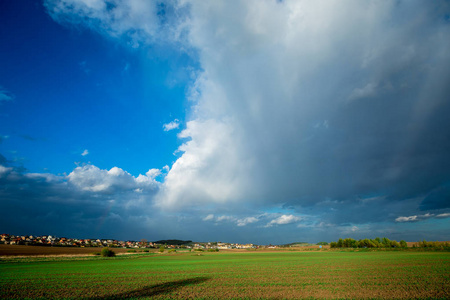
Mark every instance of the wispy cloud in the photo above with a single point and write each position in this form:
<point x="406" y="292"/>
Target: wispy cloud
<point x="3" y="137"/>
<point x="84" y="67"/>
<point x="245" y="221"/>
<point x="5" y="95"/>
<point x="208" y="217"/>
<point x="226" y="218"/>
<point x="444" y="215"/>
<point x="369" y="90"/>
<point x="407" y="219"/>
<point x="85" y="152"/>
<point x="137" y="22"/>
<point x="172" y="125"/>
<point x="417" y="218"/>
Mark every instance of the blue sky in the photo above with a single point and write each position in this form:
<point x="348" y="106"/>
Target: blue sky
<point x="246" y="121"/>
<point x="74" y="90"/>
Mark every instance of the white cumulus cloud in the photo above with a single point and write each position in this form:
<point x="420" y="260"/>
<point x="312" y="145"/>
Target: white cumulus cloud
<point x="93" y="179"/>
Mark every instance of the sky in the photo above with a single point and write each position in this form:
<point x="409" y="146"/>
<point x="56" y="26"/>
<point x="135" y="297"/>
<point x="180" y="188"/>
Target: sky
<point x="262" y="122"/>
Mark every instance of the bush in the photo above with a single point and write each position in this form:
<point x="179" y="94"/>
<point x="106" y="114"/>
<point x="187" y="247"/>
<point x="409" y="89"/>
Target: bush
<point x="106" y="252"/>
<point x="96" y="253"/>
<point x="395" y="244"/>
<point x="161" y="249"/>
<point x="146" y="250"/>
<point x="172" y="250"/>
<point x="386" y="242"/>
<point x="132" y="251"/>
<point x="213" y="250"/>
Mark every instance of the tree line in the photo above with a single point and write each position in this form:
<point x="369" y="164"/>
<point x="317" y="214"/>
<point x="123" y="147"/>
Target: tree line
<point x="368" y="243"/>
<point x="385" y="243"/>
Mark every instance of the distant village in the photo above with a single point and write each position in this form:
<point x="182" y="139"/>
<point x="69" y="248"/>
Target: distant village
<point x="48" y="240"/>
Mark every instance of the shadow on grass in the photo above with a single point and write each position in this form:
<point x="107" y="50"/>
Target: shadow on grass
<point x="154" y="290"/>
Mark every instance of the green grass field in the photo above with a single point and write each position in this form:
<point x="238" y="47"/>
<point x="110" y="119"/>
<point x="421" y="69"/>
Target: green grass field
<point x="327" y="274"/>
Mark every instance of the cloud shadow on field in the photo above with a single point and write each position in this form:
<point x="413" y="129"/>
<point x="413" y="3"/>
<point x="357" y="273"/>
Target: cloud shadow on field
<point x="156" y="289"/>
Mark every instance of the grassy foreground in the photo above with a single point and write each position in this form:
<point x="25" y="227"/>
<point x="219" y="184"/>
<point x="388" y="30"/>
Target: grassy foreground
<point x="328" y="274"/>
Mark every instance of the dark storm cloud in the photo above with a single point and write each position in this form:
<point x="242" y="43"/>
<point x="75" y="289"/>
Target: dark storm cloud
<point x="297" y="113"/>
